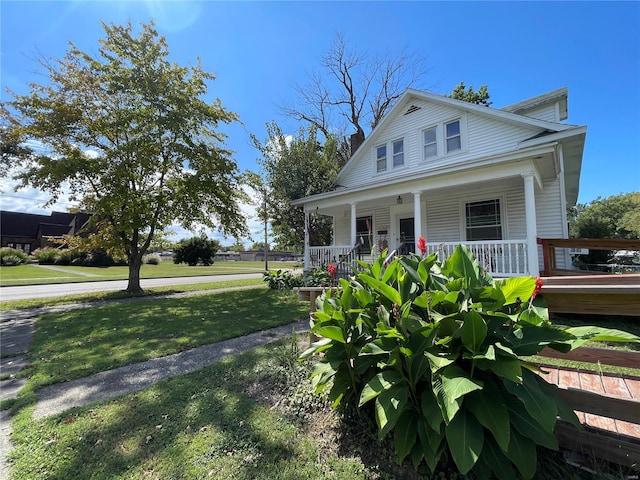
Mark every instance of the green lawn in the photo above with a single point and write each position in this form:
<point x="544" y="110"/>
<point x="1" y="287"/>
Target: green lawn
<point x="32" y="274"/>
<point x="85" y="341"/>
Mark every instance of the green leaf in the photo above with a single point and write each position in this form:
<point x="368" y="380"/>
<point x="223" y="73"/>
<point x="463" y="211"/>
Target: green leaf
<point x="342" y="385"/>
<point x="497" y="461"/>
<point x="448" y="407"/>
<point x="465" y="439"/>
<point x="462" y="264"/>
<point x="473" y="331"/>
<point x="540" y="406"/>
<point x="522" y="452"/>
<point x="528" y="426"/>
<point x="405" y="434"/>
<point x="382" y="288"/>
<point x="489" y="407"/>
<point x="505" y="367"/>
<point x="389" y="405"/>
<point x="456" y="383"/>
<point x="431" y="410"/>
<point x="332" y="332"/>
<point x="599" y="334"/>
<point x="440" y="361"/>
<point x="378" y="384"/>
<point x="515" y="288"/>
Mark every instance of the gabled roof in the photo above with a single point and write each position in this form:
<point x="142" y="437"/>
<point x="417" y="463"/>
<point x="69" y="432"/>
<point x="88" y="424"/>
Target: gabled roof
<point x="560" y="95"/>
<point x="404" y="102"/>
<point x="28" y="225"/>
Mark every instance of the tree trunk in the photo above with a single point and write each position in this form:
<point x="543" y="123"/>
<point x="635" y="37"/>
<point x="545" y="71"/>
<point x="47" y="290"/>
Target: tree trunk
<point x="135" y="262"/>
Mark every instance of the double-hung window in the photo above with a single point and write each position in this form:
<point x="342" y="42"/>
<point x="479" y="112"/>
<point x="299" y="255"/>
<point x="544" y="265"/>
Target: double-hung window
<point x="453" y="139"/>
<point x="381" y="158"/>
<point x="398" y="153"/>
<point x="483" y="220"/>
<point x="430" y="143"/>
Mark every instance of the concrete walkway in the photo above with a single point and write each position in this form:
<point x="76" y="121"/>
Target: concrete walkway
<point x="16" y="329"/>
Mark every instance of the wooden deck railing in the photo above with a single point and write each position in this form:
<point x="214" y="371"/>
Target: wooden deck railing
<point x="549" y="246"/>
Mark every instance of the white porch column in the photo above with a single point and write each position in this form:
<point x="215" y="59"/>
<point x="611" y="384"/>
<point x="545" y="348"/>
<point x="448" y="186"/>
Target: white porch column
<point x="353" y="225"/>
<point x="530" y="217"/>
<point x="417" y="217"/>
<point x="307" y="255"/>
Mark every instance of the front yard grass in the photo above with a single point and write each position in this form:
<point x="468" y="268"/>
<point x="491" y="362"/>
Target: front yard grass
<point x="34" y="274"/>
<point x="81" y="342"/>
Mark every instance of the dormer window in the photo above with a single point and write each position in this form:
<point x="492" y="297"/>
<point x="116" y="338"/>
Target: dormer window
<point x="452" y="136"/>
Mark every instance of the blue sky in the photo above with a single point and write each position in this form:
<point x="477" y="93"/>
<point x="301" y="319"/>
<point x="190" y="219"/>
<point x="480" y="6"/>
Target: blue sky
<point x="260" y="50"/>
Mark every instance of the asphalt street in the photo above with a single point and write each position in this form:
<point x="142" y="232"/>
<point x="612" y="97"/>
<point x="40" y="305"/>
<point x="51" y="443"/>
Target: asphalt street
<point x="24" y="292"/>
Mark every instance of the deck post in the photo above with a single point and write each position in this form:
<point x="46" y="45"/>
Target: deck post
<point x="530" y="216"/>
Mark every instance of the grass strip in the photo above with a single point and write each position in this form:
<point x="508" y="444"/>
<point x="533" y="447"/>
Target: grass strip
<point x="119" y="295"/>
<point x="78" y="343"/>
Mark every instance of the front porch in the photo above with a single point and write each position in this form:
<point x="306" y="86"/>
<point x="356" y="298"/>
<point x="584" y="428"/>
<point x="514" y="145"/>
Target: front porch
<point x="501" y="258"/>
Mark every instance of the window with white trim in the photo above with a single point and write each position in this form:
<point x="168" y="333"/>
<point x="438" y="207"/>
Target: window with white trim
<point x="381" y="158"/>
<point x="398" y="153"/>
<point x="430" y="142"/>
<point x="483" y="220"/>
<point x="364" y="233"/>
<point x="453" y="138"/>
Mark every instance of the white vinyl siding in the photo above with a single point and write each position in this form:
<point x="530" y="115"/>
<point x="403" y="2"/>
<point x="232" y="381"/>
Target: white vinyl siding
<point x="484" y="137"/>
<point x="548" y="113"/>
<point x="549" y="218"/>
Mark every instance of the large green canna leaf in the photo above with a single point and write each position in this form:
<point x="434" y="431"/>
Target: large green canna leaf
<point x="473" y="331"/>
<point x="522" y="452"/>
<point x="540" y="406"/>
<point x="489" y="407"/>
<point x="599" y="334"/>
<point x="382" y="288"/>
<point x="332" y="332"/>
<point x="405" y="434"/>
<point x="503" y="366"/>
<point x="515" y="288"/>
<point x="465" y="439"/>
<point x="389" y="406"/>
<point x="456" y="382"/>
<point x="431" y="410"/>
<point x="462" y="264"/>
<point x="496" y="460"/>
<point x="528" y="426"/>
<point x="378" y="384"/>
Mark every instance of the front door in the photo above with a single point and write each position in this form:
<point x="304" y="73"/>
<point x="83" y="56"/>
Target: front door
<point x="407" y="236"/>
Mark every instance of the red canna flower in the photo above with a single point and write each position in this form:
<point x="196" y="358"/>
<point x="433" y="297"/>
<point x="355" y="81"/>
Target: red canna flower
<point x="422" y="246"/>
<point x="537" y="288"/>
<point x="332" y="269"/>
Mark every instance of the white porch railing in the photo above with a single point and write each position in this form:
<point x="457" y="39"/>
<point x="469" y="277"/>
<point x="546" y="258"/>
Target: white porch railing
<point x="319" y="256"/>
<point x="501" y="258"/>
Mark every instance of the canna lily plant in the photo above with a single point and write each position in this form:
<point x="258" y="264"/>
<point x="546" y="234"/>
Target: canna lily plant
<point x="437" y="349"/>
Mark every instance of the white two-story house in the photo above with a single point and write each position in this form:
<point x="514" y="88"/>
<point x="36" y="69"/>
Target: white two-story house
<point x="454" y="172"/>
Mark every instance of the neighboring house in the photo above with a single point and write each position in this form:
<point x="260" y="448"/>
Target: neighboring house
<point x="455" y="172"/>
<point x="28" y="232"/>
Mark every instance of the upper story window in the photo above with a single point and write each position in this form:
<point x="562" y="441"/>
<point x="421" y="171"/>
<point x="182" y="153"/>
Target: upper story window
<point x="447" y="138"/>
<point x="430" y="143"/>
<point x="483" y="220"/>
<point x="398" y="153"/>
<point x="381" y="158"/>
<point x="452" y="136"/>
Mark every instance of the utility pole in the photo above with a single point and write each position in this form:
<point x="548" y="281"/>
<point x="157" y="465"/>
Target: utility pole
<point x="266" y="244"/>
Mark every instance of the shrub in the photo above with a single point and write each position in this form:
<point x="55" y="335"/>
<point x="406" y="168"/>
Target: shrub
<point x="47" y="255"/>
<point x="151" y="259"/>
<point x="435" y="350"/>
<point x="282" y="280"/>
<point x="196" y="250"/>
<point x="12" y="256"/>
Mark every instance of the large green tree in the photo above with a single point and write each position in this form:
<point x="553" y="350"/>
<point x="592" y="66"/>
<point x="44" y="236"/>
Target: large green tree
<point x="133" y="137"/>
<point x="295" y="167"/>
<point x="615" y="216"/>
<point x="468" y="94"/>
